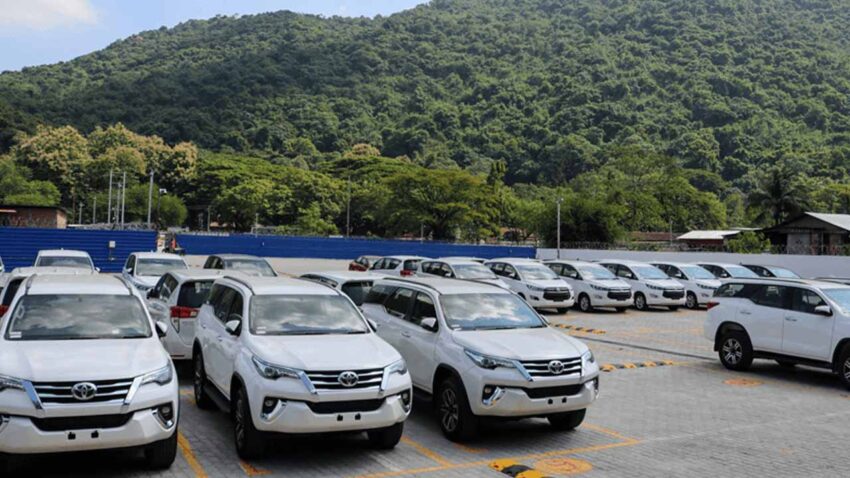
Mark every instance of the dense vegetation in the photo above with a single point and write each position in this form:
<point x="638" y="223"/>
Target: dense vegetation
<point x="469" y="115"/>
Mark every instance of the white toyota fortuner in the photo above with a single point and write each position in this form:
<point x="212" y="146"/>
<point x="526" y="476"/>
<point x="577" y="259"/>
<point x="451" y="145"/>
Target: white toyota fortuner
<point x="81" y="368"/>
<point x="293" y="356"/>
<point x="481" y="351"/>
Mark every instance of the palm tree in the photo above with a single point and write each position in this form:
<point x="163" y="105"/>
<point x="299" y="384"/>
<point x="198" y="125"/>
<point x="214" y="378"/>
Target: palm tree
<point x="778" y="195"/>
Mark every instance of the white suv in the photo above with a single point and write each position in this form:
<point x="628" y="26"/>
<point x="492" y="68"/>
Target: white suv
<point x="699" y="283"/>
<point x="64" y="258"/>
<point x="460" y="268"/>
<point x="481" y="351"/>
<point x="82" y="368"/>
<point x="293" y="356"/>
<point x="535" y="283"/>
<point x="791" y="321"/>
<point x="143" y="269"/>
<point x="650" y="285"/>
<point x="594" y="285"/>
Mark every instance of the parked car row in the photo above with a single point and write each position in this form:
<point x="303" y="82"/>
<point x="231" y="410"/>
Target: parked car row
<point x="81" y="369"/>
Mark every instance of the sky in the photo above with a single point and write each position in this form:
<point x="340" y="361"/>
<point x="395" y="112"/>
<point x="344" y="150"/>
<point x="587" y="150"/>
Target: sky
<point x="37" y="32"/>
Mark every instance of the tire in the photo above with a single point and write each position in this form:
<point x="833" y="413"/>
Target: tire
<point x="640" y="302"/>
<point x="562" y="310"/>
<point x="736" y="351"/>
<point x="250" y="442"/>
<point x="786" y="364"/>
<point x="386" y="438"/>
<point x="199" y="383"/>
<point x="673" y="308"/>
<point x="844" y="366"/>
<point x="457" y="422"/>
<point x="691" y="301"/>
<point x="567" y="421"/>
<point x="584" y="304"/>
<point x="160" y="455"/>
<point x="7" y="464"/>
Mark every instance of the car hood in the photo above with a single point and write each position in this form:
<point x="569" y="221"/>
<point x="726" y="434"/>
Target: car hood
<point x="521" y="344"/>
<point x="549" y="283"/>
<point x="665" y="283"/>
<point x="495" y="281"/>
<point x="713" y="283"/>
<point x="69" y="360"/>
<point x="325" y="352"/>
<point x="611" y="284"/>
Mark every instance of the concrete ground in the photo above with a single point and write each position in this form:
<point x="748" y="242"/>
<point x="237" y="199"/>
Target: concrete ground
<point x="667" y="408"/>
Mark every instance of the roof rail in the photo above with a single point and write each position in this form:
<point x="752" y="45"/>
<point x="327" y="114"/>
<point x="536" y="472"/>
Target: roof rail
<point x="29" y="284"/>
<point x="482" y="282"/>
<point x="408" y="281"/>
<point x="239" y="280"/>
<point x="316" y="281"/>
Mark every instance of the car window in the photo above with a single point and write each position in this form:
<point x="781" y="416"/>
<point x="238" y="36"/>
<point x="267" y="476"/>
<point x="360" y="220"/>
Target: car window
<point x="804" y="300"/>
<point x="737" y="290"/>
<point x="392" y="264"/>
<point x="473" y="271"/>
<point x="623" y="271"/>
<point x="11" y="289"/>
<point x="357" y="291"/>
<point x="222" y="301"/>
<point x="510" y="272"/>
<point x="498" y="268"/>
<point x="488" y="312"/>
<point x="399" y="302"/>
<point x="536" y="272"/>
<point x="169" y="284"/>
<point x="411" y="264"/>
<point x="131" y="263"/>
<point x="378" y="265"/>
<point x="78" y="317"/>
<point x="423" y="307"/>
<point x="770" y="296"/>
<point x="194" y="293"/>
<point x="208" y="263"/>
<point x="305" y="315"/>
<point x="557" y="268"/>
<point x="236" y="308"/>
<point x="697" y="272"/>
<point x="379" y="294"/>
<point x="593" y="271"/>
<point x="65" y="261"/>
<point x="154" y="267"/>
<point x="254" y="267"/>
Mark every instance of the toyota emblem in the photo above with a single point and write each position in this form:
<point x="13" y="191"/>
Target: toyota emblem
<point x="556" y="367"/>
<point x="84" y="391"/>
<point x="348" y="379"/>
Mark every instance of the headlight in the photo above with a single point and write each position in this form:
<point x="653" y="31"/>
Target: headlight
<point x="485" y="361"/>
<point x="10" y="383"/>
<point x="161" y="376"/>
<point x="274" y="372"/>
<point x="708" y="287"/>
<point x="587" y="358"/>
<point x="535" y="288"/>
<point x="654" y="287"/>
<point x="399" y="367"/>
<point x="598" y="287"/>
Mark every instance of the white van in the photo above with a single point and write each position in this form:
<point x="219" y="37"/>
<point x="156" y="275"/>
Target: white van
<point x="594" y="285"/>
<point x="699" y="283"/>
<point x="650" y="285"/>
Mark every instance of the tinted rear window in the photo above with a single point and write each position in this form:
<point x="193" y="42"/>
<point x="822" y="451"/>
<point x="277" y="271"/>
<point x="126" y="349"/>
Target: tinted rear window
<point x="357" y="291"/>
<point x="744" y="291"/>
<point x="11" y="290"/>
<point x="379" y="294"/>
<point x="411" y="264"/>
<point x="194" y="294"/>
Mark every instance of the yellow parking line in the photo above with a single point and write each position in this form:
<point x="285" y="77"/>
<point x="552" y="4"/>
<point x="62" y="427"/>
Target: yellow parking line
<point x="252" y="470"/>
<point x="426" y="451"/>
<point x="190" y="457"/>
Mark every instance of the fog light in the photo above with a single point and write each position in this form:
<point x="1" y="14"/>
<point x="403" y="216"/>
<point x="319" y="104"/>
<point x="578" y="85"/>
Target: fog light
<point x="491" y="394"/>
<point x="165" y="414"/>
<point x="268" y="405"/>
<point x="406" y="400"/>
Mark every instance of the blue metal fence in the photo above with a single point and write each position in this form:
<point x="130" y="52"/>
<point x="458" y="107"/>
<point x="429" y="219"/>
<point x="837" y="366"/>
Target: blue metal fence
<point x="337" y="248"/>
<point x="19" y="246"/>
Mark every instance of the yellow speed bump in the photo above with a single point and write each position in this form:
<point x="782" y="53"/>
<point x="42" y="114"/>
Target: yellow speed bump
<point x="563" y="466"/>
<point x="500" y="465"/>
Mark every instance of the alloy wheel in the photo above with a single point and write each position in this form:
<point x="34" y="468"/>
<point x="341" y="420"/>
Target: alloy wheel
<point x="692" y="301"/>
<point x="198" y="377"/>
<point x="449" y="411"/>
<point x="640" y="302"/>
<point x="584" y="303"/>
<point x="847" y="370"/>
<point x="733" y="352"/>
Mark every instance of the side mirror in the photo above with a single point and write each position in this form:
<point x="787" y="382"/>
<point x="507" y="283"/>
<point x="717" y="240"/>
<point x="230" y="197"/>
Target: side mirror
<point x="429" y="324"/>
<point x="161" y="329"/>
<point x="372" y="325"/>
<point x="824" y="310"/>
<point x="97" y="269"/>
<point x="129" y="271"/>
<point x="233" y="325"/>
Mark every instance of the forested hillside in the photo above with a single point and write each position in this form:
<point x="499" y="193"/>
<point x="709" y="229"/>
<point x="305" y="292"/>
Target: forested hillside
<point x="738" y="96"/>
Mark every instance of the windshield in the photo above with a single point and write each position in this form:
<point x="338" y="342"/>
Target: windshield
<point x="254" y="267"/>
<point x="357" y="291"/>
<point x="78" y="317"/>
<point x="158" y="267"/>
<point x="488" y="312"/>
<point x="841" y="297"/>
<point x="696" y="272"/>
<point x="649" y="272"/>
<point x="64" y="261"/>
<point x="740" y="272"/>
<point x="304" y="315"/>
<point x="783" y="273"/>
<point x="473" y="271"/>
<point x="536" y="272"/>
<point x="595" y="272"/>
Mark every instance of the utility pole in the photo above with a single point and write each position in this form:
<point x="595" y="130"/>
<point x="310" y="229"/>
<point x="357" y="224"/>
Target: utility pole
<point x="348" y="211"/>
<point x="94" y="211"/>
<point x="109" y="202"/>
<point x="123" y="197"/>
<point x="81" y="212"/>
<point x="560" y="200"/>
<point x="150" y="199"/>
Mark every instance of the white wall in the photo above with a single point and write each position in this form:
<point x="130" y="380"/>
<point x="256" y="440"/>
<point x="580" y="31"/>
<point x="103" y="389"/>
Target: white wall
<point x="805" y="266"/>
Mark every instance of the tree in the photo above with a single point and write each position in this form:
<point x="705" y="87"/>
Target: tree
<point x="16" y="188"/>
<point x="240" y="205"/>
<point x="779" y="195"/>
<point x="748" y="242"/>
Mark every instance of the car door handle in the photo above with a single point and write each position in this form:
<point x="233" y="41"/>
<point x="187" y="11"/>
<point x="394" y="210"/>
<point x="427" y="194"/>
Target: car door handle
<point x="220" y="338"/>
<point x="405" y="334"/>
<point x="746" y="312"/>
<point x="790" y="319"/>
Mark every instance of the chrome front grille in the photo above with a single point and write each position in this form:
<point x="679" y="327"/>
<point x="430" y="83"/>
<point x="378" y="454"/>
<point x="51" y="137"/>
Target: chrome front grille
<point x="550" y="368"/>
<point x="334" y="380"/>
<point x="63" y="392"/>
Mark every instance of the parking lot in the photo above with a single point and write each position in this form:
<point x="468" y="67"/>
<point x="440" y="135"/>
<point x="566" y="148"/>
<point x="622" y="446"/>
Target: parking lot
<point x="667" y="408"/>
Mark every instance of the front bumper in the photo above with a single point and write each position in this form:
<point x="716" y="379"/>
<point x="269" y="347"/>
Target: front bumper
<point x="537" y="301"/>
<point x="601" y="299"/>
<point x="521" y="398"/>
<point x="654" y="298"/>
<point x="297" y="417"/>
<point x="19" y="435"/>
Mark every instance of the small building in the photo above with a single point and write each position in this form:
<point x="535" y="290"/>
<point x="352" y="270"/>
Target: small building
<point x="33" y="216"/>
<point x="706" y="239"/>
<point x="812" y="233"/>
